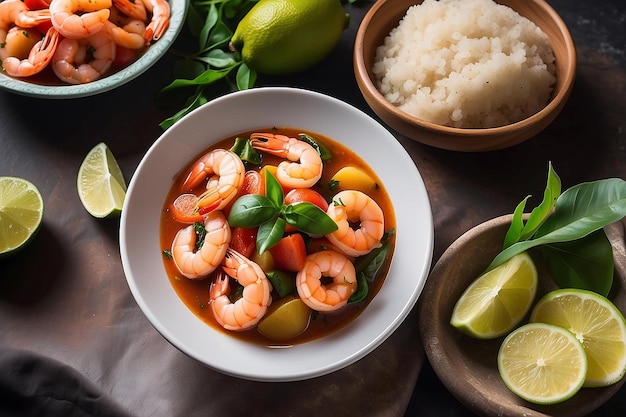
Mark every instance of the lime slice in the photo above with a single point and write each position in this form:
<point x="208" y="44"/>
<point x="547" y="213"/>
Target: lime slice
<point x="21" y="212"/>
<point x="596" y="322"/>
<point x="542" y="363"/>
<point x="101" y="185"/>
<point x="498" y="300"/>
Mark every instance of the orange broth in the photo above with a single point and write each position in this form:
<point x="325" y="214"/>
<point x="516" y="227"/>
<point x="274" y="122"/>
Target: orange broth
<point x="195" y="293"/>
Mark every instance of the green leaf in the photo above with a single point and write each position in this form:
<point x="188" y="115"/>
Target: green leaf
<point x="579" y="211"/>
<point x="371" y="263"/>
<point x="246" y="77"/>
<point x="200" y="232"/>
<point x="218" y="59"/>
<point x="585" y="263"/>
<point x="587" y="207"/>
<point x="244" y="149"/>
<point x="220" y="35"/>
<point x="251" y="210"/>
<point x="361" y="292"/>
<point x="273" y="190"/>
<point x="269" y="234"/>
<point x="196" y="102"/>
<point x="207" y="77"/>
<point x="517" y="224"/>
<point x="543" y="211"/>
<point x="324" y="152"/>
<point x="283" y="282"/>
<point x="209" y="23"/>
<point x="309" y="218"/>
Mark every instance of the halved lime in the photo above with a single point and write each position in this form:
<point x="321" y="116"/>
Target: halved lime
<point x="101" y="185"/>
<point x="498" y="300"/>
<point x="21" y="212"/>
<point x="596" y="322"/>
<point x="542" y="363"/>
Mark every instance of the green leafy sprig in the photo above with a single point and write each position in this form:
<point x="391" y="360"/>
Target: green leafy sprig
<point x="569" y="229"/>
<point x="271" y="215"/>
<point x="212" y="23"/>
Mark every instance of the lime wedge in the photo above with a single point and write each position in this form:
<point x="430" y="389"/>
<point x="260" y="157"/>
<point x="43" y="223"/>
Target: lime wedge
<point x="21" y="212"/>
<point x="542" y="363"/>
<point x="596" y="322"/>
<point x="101" y="185"/>
<point x="498" y="300"/>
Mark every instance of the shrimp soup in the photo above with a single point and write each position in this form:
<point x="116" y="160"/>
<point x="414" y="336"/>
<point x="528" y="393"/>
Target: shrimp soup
<point x="297" y="232"/>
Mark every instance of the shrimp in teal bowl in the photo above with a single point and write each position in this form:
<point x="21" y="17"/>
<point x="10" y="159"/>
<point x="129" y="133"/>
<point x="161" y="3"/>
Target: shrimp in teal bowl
<point x="75" y="48"/>
<point x="264" y="228"/>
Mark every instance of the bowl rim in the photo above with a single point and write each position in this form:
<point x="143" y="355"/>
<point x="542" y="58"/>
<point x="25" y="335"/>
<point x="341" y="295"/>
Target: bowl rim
<point x="367" y="84"/>
<point x="178" y="12"/>
<point x="385" y="313"/>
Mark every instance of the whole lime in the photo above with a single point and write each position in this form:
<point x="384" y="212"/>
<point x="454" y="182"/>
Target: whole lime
<point x="288" y="36"/>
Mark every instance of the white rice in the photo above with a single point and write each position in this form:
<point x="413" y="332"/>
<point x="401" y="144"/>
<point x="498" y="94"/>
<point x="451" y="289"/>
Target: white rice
<point x="466" y="63"/>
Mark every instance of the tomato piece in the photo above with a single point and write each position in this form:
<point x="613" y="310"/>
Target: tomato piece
<point x="37" y="4"/>
<point x="123" y="57"/>
<point x="243" y="240"/>
<point x="289" y="253"/>
<point x="298" y="195"/>
<point x="253" y="183"/>
<point x="184" y="209"/>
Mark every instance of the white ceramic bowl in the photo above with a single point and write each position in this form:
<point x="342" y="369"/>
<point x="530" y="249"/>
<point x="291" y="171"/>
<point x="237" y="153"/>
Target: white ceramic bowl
<point x="149" y="58"/>
<point x="259" y="108"/>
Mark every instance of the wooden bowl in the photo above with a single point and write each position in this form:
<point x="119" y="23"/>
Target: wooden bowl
<point x="467" y="366"/>
<point x="386" y="14"/>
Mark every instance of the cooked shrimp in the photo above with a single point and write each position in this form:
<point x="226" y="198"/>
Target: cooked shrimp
<point x="129" y="36"/>
<point x="40" y="55"/>
<point x="78" y="26"/>
<point x="227" y="173"/>
<point x="79" y="61"/>
<point x="305" y="166"/>
<point x="326" y="297"/>
<point x="256" y="297"/>
<point x="9" y="10"/>
<point x="198" y="264"/>
<point x="32" y="18"/>
<point x="160" y="19"/>
<point x="132" y="8"/>
<point x="351" y="206"/>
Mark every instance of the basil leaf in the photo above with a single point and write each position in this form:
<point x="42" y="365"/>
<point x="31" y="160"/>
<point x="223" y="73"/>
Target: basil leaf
<point x="243" y="148"/>
<point x="273" y="190"/>
<point x="361" y="292"/>
<point x="218" y="59"/>
<point x="251" y="210"/>
<point x="309" y="218"/>
<point x="517" y="224"/>
<point x="543" y="210"/>
<point x="369" y="265"/>
<point x="283" y="282"/>
<point x="200" y="232"/>
<point x="324" y="152"/>
<point x="194" y="102"/>
<point x="246" y="77"/>
<point x="580" y="210"/>
<point x="209" y="23"/>
<point x="585" y="263"/>
<point x="269" y="234"/>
